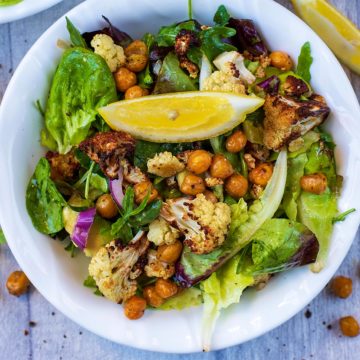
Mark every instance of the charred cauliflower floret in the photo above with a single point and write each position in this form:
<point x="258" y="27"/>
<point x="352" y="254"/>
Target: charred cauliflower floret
<point x="107" y="149"/>
<point x="184" y="39"/>
<point x="114" y="268"/>
<point x="191" y="68"/>
<point x="164" y="164"/>
<point x="203" y="223"/>
<point x="160" y="233"/>
<point x="132" y="174"/>
<point x="105" y="47"/>
<point x="286" y="119"/>
<point x="232" y="63"/>
<point x="63" y="167"/>
<point x="294" y="86"/>
<point x="213" y="181"/>
<point x="157" y="268"/>
<point x="221" y="81"/>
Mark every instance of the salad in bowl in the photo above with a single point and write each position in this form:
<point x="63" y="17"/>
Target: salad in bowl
<point x="188" y="165"/>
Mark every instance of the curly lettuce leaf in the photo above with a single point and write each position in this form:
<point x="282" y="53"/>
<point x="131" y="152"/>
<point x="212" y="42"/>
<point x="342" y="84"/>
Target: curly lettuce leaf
<point x="222" y="289"/>
<point x="186" y="298"/>
<point x="317" y="211"/>
<point x="82" y="83"/>
<point x="44" y="202"/>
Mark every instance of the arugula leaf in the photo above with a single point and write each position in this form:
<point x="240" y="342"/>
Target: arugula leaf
<point x="304" y="62"/>
<point x="75" y="35"/>
<point x="44" y="202"/>
<point x="212" y="43"/>
<point x="167" y="34"/>
<point x="2" y="237"/>
<point x="342" y="216"/>
<point x="71" y="248"/>
<point x="221" y="16"/>
<point x="190" y="9"/>
<point x="145" y="78"/>
<point x="91" y="283"/>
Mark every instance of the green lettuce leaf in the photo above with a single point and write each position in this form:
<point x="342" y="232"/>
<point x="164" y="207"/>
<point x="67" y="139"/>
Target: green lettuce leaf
<point x="172" y="78"/>
<point x="2" y="237"/>
<point x="222" y="289"/>
<point x="82" y="83"/>
<point x="304" y="62"/>
<point x="317" y="211"/>
<point x="44" y="202"/>
<point x="186" y="298"/>
<point x="167" y="34"/>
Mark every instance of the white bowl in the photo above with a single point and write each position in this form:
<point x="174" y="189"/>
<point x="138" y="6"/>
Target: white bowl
<point x="59" y="278"/>
<point x="24" y="9"/>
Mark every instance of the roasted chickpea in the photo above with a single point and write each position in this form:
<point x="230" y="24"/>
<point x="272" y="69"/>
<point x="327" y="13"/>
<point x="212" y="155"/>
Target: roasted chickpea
<point x="135" y="92"/>
<point x="261" y="174"/>
<point x="136" y="47"/>
<point x="221" y="167"/>
<point x="124" y="79"/>
<point x="152" y="297"/>
<point x="236" y="142"/>
<point x="236" y="186"/>
<point x="314" y="183"/>
<point x="165" y="288"/>
<point x="169" y="253"/>
<point x="199" y="161"/>
<point x="341" y="286"/>
<point x="141" y="190"/>
<point x="17" y="283"/>
<point x="106" y="207"/>
<point x="192" y="185"/>
<point x="349" y="326"/>
<point x="210" y="196"/>
<point x="136" y="62"/>
<point x="134" y="307"/>
<point x="281" y="60"/>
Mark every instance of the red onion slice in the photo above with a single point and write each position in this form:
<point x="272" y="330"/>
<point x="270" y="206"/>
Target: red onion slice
<point x="116" y="188"/>
<point x="82" y="227"/>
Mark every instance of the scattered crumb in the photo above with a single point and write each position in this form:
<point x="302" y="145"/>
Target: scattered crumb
<point x="308" y="314"/>
<point x="10" y="70"/>
<point x="32" y="323"/>
<point x="329" y="327"/>
<point x="65" y="336"/>
<point x="26" y="332"/>
<point x="80" y="332"/>
<point x="324" y="323"/>
<point x="52" y="313"/>
<point x="44" y="341"/>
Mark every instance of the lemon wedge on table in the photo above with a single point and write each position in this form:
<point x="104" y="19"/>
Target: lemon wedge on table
<point x="180" y="117"/>
<point x="339" y="33"/>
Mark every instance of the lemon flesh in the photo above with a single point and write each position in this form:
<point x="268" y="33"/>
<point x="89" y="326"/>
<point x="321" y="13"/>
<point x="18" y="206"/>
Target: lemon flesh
<point x="180" y="117"/>
<point x="340" y="34"/>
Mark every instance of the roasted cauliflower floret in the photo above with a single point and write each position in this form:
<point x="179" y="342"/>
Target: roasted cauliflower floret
<point x="105" y="47"/>
<point x="160" y="233"/>
<point x="213" y="181"/>
<point x="221" y="81"/>
<point x="184" y="39"/>
<point x="114" y="268"/>
<point x="164" y="164"/>
<point x="232" y="63"/>
<point x="108" y="149"/>
<point x="286" y="119"/>
<point x="203" y="223"/>
<point x="63" y="167"/>
<point x="132" y="174"/>
<point x="157" y="268"/>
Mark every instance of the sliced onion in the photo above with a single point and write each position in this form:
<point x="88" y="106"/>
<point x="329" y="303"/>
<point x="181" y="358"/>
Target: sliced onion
<point x="270" y="85"/>
<point x="116" y="188"/>
<point x="82" y="227"/>
<point x="205" y="70"/>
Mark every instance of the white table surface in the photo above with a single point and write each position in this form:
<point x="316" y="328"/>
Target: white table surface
<point x="52" y="336"/>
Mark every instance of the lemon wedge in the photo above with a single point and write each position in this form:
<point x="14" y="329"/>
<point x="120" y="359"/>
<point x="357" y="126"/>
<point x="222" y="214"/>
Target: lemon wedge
<point x="180" y="117"/>
<point x="341" y="35"/>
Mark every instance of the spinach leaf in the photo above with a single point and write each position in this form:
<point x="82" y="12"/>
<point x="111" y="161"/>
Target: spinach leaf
<point x="221" y="16"/>
<point x="2" y="237"/>
<point x="304" y="62"/>
<point x="172" y="78"/>
<point x="218" y="146"/>
<point x="44" y="202"/>
<point x="149" y="214"/>
<point x="91" y="283"/>
<point x="82" y="83"/>
<point x="212" y="41"/>
<point x="167" y="34"/>
<point x="75" y="35"/>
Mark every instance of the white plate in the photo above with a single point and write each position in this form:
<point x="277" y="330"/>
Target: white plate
<point x="59" y="278"/>
<point x="24" y="9"/>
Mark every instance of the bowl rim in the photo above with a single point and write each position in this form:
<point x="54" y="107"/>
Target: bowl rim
<point x="7" y="231"/>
